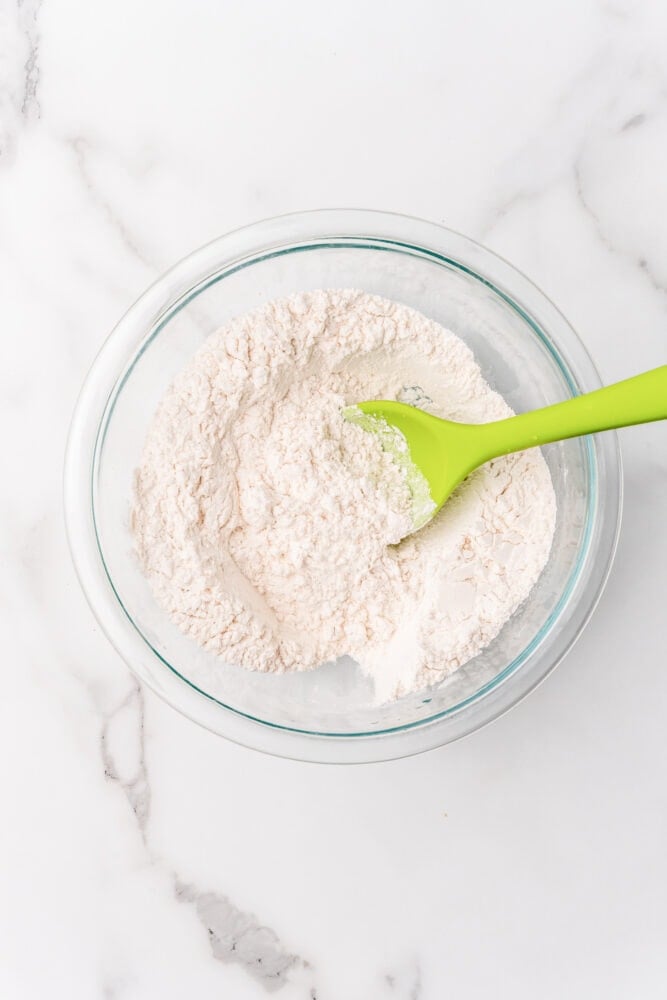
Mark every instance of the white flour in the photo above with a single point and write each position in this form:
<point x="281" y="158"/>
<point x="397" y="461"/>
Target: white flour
<point x="267" y="524"/>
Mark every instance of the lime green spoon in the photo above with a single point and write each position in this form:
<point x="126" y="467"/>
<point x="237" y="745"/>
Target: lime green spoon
<point x="446" y="452"/>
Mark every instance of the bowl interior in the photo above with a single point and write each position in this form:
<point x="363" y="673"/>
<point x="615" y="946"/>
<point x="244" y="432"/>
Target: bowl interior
<point x="517" y="359"/>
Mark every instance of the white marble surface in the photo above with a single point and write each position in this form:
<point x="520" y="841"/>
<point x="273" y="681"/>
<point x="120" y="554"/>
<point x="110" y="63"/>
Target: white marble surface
<point x="141" y="857"/>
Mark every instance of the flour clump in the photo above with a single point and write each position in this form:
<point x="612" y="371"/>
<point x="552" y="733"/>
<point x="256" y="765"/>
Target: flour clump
<point x="272" y="530"/>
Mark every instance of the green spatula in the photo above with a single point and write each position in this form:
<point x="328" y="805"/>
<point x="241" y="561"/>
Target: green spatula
<point x="446" y="452"/>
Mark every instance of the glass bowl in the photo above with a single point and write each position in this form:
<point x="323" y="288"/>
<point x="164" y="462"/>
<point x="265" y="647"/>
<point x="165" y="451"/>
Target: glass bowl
<point x="527" y="351"/>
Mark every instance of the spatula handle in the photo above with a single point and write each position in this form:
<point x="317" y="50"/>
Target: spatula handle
<point x="636" y="400"/>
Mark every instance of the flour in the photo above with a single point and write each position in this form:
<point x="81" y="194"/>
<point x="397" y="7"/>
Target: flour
<point x="269" y="526"/>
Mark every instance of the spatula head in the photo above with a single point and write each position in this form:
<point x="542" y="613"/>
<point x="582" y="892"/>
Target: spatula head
<point x="434" y="445"/>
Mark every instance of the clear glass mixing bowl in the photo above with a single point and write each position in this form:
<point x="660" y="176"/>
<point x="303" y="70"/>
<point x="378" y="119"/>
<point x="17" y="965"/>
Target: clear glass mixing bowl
<point x="527" y="351"/>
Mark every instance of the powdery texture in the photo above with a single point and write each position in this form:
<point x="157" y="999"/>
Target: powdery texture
<point x="267" y="524"/>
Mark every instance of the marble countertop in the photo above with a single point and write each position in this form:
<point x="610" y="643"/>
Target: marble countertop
<point x="142" y="857"/>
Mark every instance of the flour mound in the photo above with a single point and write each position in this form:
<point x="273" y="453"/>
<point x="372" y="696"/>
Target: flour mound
<point x="269" y="526"/>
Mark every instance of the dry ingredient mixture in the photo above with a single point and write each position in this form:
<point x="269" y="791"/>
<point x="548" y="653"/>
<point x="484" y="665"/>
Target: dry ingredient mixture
<point x="272" y="530"/>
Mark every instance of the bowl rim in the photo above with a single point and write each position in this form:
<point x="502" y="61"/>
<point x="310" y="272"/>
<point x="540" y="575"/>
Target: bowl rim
<point x="130" y="338"/>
